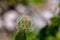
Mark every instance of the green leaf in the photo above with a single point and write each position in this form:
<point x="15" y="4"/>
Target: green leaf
<point x="21" y="36"/>
<point x="13" y="35"/>
<point x="58" y="35"/>
<point x="55" y="21"/>
<point x="31" y="36"/>
<point x="49" y="38"/>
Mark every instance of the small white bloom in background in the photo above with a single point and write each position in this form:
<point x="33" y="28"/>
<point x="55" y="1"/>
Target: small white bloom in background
<point x="21" y="9"/>
<point x="10" y="19"/>
<point x="47" y="14"/>
<point x="39" y="22"/>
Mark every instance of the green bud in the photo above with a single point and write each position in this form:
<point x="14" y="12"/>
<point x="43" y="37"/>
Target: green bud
<point x="25" y="24"/>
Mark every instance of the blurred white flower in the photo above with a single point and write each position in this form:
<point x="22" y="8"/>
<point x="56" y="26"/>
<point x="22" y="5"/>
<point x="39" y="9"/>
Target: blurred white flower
<point x="47" y="14"/>
<point x="39" y="22"/>
<point x="21" y="9"/>
<point x="10" y="19"/>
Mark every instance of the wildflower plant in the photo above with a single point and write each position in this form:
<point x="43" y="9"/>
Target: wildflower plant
<point x="25" y="26"/>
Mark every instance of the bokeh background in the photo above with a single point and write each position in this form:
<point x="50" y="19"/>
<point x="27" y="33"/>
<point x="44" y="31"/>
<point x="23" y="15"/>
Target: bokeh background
<point x="43" y="14"/>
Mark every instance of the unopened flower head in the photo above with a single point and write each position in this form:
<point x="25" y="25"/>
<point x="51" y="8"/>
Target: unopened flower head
<point x="25" y="24"/>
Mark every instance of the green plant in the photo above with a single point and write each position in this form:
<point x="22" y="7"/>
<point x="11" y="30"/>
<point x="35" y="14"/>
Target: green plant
<point x="38" y="2"/>
<point x="25" y="30"/>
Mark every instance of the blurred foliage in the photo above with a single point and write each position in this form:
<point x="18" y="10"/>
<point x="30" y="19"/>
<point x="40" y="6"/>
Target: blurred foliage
<point x="59" y="4"/>
<point x="25" y="2"/>
<point x="21" y="35"/>
<point x="56" y="21"/>
<point x="11" y="2"/>
<point x="13" y="35"/>
<point x="25" y="36"/>
<point x="38" y="2"/>
<point x="0" y="4"/>
<point x="51" y="32"/>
